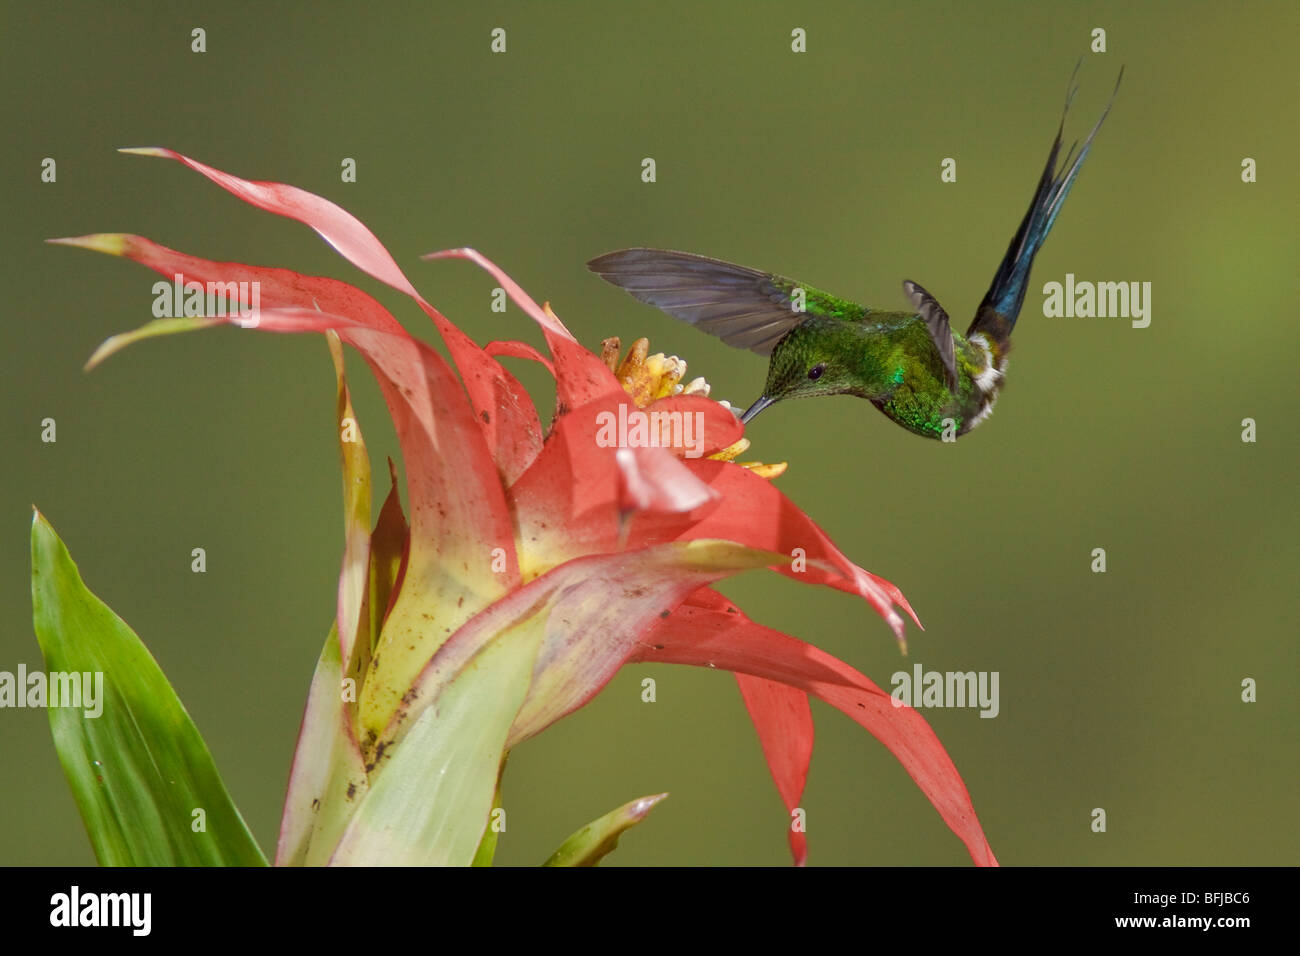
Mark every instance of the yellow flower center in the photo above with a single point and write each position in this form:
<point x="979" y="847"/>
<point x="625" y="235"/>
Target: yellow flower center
<point x="648" y="378"/>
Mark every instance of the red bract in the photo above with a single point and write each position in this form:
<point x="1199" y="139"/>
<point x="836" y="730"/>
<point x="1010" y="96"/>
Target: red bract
<point x="581" y="556"/>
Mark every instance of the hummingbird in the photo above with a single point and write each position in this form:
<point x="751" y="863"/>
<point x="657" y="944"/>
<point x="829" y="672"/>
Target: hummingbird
<point x="909" y="364"/>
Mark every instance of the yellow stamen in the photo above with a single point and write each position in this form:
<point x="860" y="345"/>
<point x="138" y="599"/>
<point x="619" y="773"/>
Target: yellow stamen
<point x="634" y="363"/>
<point x="609" y="354"/>
<point x="732" y="452"/>
<point x="765" y="471"/>
<point x="647" y="378"/>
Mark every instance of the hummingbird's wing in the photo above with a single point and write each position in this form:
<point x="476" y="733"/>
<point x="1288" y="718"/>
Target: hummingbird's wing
<point x="743" y="307"/>
<point x="936" y="320"/>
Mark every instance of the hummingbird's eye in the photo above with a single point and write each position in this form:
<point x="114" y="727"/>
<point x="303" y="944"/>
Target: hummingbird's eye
<point x="815" y="372"/>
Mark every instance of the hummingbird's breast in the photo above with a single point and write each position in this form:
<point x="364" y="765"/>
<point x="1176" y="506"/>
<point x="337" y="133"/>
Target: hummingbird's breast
<point x="920" y="399"/>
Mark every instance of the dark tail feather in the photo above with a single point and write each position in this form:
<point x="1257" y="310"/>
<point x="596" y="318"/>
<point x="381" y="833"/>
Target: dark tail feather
<point x="1001" y="306"/>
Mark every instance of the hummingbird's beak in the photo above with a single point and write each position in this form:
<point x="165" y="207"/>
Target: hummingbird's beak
<point x="762" y="403"/>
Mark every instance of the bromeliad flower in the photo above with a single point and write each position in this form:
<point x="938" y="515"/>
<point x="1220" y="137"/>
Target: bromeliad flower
<point x="536" y="562"/>
<point x="647" y="378"/>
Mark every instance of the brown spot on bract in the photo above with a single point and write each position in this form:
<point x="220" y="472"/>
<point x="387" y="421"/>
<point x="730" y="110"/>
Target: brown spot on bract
<point x="352" y="790"/>
<point x="664" y="613"/>
<point x="487" y="419"/>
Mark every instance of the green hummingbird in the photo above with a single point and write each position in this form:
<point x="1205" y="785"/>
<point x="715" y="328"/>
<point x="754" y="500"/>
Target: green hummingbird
<point x="910" y="365"/>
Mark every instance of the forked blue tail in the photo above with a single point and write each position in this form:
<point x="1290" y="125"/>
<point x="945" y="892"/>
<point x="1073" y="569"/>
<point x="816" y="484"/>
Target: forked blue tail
<point x="1001" y="306"/>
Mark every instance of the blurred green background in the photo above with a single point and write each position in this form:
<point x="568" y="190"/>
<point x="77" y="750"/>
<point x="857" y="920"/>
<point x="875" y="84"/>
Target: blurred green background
<point x="1118" y="690"/>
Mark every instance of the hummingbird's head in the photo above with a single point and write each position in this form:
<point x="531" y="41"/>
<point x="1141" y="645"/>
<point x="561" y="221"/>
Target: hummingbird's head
<point x="807" y="362"/>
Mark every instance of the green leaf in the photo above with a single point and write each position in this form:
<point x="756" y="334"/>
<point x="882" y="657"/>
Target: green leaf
<point x="487" y="847"/>
<point x="139" y="770"/>
<point x="432" y="790"/>
<point x="328" y="777"/>
<point x="596" y="839"/>
<point x="149" y="330"/>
